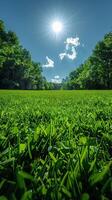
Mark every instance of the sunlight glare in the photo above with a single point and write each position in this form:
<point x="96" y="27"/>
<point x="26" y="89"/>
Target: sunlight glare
<point x="57" y="26"/>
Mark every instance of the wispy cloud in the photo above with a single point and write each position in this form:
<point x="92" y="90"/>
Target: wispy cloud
<point x="70" y="48"/>
<point x="56" y="79"/>
<point x="71" y="55"/>
<point x="72" y="41"/>
<point x="62" y="55"/>
<point x="49" y="63"/>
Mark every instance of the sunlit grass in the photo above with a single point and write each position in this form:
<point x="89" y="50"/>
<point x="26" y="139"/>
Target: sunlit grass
<point x="55" y="144"/>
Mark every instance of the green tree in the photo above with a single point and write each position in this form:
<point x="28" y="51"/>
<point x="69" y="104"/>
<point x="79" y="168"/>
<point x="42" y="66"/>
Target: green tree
<point x="96" y="72"/>
<point x="17" y="70"/>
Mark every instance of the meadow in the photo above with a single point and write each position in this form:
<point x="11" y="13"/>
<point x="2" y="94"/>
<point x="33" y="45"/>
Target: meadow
<point x="55" y="145"/>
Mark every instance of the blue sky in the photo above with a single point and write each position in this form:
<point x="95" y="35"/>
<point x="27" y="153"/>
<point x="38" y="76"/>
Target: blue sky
<point x="87" y="20"/>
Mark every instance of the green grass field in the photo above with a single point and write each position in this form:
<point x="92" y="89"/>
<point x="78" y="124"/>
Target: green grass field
<point x="55" y="145"/>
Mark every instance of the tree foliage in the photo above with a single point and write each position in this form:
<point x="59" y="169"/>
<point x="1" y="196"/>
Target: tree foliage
<point x="96" y="72"/>
<point x="17" y="70"/>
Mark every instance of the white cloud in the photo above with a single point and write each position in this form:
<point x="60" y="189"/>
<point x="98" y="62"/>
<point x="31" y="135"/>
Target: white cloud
<point x="73" y="55"/>
<point x="53" y="80"/>
<point x="56" y="79"/>
<point x="70" y="48"/>
<point x="62" y="55"/>
<point x="49" y="63"/>
<point x="72" y="41"/>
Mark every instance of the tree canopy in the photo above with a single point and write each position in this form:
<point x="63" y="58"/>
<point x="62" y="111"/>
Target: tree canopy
<point x="17" y="70"/>
<point x="96" y="72"/>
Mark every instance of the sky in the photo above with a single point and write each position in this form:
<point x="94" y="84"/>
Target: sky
<point x="84" y="23"/>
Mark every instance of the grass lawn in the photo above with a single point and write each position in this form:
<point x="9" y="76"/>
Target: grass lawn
<point x="55" y="145"/>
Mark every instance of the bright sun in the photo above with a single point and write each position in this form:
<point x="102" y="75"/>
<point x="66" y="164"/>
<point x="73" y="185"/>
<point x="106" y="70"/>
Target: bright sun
<point x="57" y="26"/>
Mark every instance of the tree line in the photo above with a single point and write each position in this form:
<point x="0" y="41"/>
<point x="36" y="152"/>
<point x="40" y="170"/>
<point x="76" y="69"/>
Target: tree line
<point x="96" y="72"/>
<point x="17" y="70"/>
